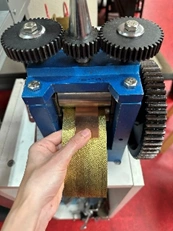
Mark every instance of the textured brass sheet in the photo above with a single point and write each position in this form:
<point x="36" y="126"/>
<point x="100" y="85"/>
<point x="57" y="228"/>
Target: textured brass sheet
<point x="87" y="171"/>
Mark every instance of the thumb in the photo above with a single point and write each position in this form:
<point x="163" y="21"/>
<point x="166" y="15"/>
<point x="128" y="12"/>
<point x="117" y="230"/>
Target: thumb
<point x="78" y="141"/>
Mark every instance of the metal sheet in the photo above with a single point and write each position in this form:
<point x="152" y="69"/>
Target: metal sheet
<point x="87" y="117"/>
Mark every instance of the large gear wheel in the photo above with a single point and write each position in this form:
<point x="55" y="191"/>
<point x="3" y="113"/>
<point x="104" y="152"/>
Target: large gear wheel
<point x="33" y="40"/>
<point x="131" y="39"/>
<point x="148" y="131"/>
<point x="81" y="49"/>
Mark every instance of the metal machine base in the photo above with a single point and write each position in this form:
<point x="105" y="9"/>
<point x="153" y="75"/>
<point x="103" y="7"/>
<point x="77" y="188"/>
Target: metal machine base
<point x="18" y="133"/>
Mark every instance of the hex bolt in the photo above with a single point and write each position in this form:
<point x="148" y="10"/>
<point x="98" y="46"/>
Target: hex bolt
<point x="30" y="27"/>
<point x="131" y="25"/>
<point x="131" y="29"/>
<point x="31" y="30"/>
<point x="130" y="82"/>
<point x="34" y="85"/>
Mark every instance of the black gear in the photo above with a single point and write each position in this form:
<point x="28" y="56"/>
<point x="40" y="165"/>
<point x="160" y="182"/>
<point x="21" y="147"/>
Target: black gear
<point x="81" y="48"/>
<point x="32" y="50"/>
<point x="148" y="132"/>
<point x="131" y="49"/>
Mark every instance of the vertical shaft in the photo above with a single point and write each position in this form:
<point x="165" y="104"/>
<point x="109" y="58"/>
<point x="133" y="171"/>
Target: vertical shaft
<point x="80" y="23"/>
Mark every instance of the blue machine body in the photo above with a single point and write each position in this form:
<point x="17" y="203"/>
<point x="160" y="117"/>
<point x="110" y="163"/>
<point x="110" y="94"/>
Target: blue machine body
<point x="61" y="74"/>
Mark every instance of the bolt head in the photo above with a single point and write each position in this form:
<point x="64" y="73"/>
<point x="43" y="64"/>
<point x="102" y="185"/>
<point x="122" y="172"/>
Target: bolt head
<point x="10" y="163"/>
<point x="131" y="25"/>
<point x="30" y="27"/>
<point x="34" y="85"/>
<point x="130" y="82"/>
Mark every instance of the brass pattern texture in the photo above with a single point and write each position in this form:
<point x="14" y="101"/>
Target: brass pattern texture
<point x="87" y="171"/>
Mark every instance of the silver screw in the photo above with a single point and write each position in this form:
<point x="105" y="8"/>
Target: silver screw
<point x="131" y="25"/>
<point x="34" y="85"/>
<point x="30" y="27"/>
<point x="131" y="29"/>
<point x="31" y="30"/>
<point x="130" y="82"/>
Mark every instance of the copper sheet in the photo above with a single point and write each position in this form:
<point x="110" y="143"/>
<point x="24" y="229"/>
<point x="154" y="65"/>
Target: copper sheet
<point x="87" y="117"/>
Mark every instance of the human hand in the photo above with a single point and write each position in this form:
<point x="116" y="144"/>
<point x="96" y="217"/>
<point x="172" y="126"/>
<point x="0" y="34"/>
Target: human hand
<point x="43" y="181"/>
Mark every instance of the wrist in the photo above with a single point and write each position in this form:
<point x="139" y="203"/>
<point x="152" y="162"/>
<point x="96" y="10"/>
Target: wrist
<point x="22" y="216"/>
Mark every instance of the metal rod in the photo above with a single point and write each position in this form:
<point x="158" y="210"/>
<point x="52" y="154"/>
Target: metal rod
<point x="85" y="99"/>
<point x="79" y="23"/>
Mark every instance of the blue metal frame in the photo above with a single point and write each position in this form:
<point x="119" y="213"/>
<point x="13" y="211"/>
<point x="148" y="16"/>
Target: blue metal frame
<point x="62" y="74"/>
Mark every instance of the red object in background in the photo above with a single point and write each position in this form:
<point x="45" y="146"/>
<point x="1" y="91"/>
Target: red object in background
<point x="4" y="97"/>
<point x="46" y="10"/>
<point x="65" y="9"/>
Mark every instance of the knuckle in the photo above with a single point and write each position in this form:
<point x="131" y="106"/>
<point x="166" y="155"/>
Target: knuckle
<point x="46" y="144"/>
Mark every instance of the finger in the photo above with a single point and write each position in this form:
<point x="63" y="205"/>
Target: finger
<point x="48" y="144"/>
<point x="75" y="143"/>
<point x="55" y="137"/>
<point x="59" y="146"/>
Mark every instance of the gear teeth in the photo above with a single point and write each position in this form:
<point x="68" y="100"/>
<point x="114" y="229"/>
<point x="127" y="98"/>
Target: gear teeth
<point x="154" y="112"/>
<point x="126" y="52"/>
<point x="79" y="49"/>
<point x="34" y="55"/>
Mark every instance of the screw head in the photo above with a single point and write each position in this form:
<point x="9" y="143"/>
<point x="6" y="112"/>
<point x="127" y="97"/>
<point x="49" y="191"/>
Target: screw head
<point x="130" y="82"/>
<point x="10" y="163"/>
<point x="131" y="25"/>
<point x="34" y="85"/>
<point x="31" y="30"/>
<point x="30" y="27"/>
<point x="131" y="29"/>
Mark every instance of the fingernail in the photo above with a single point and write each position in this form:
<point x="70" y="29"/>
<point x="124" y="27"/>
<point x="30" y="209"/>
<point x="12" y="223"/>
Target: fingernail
<point x="86" y="132"/>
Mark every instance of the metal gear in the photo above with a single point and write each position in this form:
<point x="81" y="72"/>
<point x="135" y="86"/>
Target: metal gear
<point x="148" y="132"/>
<point x="81" y="49"/>
<point x="35" y="46"/>
<point x="125" y="41"/>
<point x="81" y="39"/>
